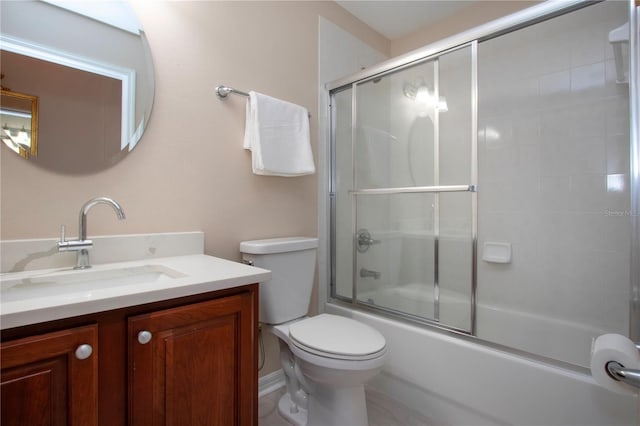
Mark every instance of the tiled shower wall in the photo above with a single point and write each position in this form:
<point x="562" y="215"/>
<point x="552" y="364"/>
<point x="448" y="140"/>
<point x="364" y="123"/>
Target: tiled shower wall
<point x="554" y="175"/>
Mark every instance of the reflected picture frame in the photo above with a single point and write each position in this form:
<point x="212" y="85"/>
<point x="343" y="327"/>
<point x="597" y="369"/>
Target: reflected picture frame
<point x="22" y="109"/>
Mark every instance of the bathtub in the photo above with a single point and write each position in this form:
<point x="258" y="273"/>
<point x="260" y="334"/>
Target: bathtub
<point x="457" y="381"/>
<point x="542" y="335"/>
<point x="418" y="299"/>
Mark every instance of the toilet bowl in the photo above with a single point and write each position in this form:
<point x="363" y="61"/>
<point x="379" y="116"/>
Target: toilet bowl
<point x="326" y="359"/>
<point x="330" y="357"/>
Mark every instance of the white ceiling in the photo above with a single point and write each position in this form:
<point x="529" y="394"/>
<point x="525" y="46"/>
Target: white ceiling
<point x="397" y="18"/>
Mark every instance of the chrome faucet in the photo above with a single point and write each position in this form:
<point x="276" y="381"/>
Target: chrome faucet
<point x="82" y="245"/>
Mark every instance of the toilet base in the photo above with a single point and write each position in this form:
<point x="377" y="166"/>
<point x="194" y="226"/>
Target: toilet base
<point x="323" y="391"/>
<point x="295" y="415"/>
<point x="337" y="406"/>
<point x="345" y="406"/>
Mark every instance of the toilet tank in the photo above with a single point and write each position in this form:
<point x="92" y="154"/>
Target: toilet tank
<point x="292" y="262"/>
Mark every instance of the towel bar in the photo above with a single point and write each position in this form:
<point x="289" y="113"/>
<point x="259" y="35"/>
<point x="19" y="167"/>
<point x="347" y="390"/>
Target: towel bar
<point x="223" y="91"/>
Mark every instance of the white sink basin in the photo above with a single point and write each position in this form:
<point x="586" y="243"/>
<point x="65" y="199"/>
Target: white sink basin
<point x="77" y="281"/>
<point x="30" y="297"/>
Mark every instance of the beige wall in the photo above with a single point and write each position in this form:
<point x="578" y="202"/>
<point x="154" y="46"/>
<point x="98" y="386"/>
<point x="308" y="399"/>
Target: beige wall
<point x="189" y="172"/>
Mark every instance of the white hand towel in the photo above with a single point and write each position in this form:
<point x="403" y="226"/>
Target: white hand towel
<point x="277" y="134"/>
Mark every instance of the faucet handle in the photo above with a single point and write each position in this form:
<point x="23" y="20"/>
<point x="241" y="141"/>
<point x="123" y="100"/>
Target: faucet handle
<point x="72" y="245"/>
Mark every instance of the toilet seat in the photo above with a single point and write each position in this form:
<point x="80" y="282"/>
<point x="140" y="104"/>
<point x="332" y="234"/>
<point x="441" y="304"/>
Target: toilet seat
<point x="337" y="337"/>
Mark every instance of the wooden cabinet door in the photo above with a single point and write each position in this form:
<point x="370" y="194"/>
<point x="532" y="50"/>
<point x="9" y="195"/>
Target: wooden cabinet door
<point x="198" y="367"/>
<point x="45" y="383"/>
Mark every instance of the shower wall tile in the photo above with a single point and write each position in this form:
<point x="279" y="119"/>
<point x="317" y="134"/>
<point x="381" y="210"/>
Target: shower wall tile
<point x="551" y="60"/>
<point x="589" y="154"/>
<point x="610" y="73"/>
<point x="553" y="165"/>
<point x="588" y="193"/>
<point x="587" y="77"/>
<point x="588" y="121"/>
<point x="554" y="192"/>
<point x="554" y="83"/>
<point x="588" y="46"/>
<point x="617" y="112"/>
<point x="417" y="265"/>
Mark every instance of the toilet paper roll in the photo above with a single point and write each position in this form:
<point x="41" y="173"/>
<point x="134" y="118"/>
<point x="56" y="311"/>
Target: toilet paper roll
<point x="618" y="348"/>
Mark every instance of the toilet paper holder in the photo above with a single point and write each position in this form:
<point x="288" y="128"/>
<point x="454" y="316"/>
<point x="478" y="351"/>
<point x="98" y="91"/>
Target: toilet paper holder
<point x="625" y="375"/>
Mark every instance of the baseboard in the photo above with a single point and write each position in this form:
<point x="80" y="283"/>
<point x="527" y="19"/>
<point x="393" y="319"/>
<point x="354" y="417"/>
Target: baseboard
<point x="270" y="382"/>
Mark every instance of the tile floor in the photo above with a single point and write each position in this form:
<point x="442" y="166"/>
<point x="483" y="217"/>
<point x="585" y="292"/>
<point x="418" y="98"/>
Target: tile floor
<point x="382" y="411"/>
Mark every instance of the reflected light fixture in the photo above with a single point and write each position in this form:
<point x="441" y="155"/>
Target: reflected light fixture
<point x="442" y="104"/>
<point x="421" y="94"/>
<point x="16" y="138"/>
<point x="23" y="137"/>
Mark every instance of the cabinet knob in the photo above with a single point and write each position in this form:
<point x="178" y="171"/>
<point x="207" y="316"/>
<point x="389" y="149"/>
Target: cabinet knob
<point x="84" y="351"/>
<point x="144" y="337"/>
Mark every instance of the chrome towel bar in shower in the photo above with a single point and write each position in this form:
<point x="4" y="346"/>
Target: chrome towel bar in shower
<point x="626" y="375"/>
<point x="618" y="372"/>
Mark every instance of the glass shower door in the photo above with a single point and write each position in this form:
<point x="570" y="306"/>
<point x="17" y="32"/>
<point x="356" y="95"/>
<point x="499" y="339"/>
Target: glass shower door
<point x="543" y="117"/>
<point x="403" y="196"/>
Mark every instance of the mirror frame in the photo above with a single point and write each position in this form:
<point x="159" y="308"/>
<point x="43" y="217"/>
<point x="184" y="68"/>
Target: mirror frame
<point x="33" y="151"/>
<point x="129" y="136"/>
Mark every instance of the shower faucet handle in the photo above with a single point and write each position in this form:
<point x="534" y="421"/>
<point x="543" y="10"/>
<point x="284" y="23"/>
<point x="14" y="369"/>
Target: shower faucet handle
<point x="364" y="240"/>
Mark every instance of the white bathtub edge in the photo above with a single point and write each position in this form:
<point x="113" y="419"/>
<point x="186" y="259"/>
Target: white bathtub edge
<point x="474" y="384"/>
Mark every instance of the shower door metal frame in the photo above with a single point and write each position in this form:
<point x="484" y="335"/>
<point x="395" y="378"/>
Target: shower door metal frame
<point x="436" y="189"/>
<point x="634" y="170"/>
<point x="513" y="22"/>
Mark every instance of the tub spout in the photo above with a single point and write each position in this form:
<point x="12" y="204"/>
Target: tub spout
<point x="365" y="273"/>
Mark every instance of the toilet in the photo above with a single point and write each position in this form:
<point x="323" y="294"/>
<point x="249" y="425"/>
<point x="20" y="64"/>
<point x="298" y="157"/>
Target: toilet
<point x="327" y="358"/>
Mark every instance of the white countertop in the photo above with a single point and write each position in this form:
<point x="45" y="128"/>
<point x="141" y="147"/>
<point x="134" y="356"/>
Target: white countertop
<point x="198" y="274"/>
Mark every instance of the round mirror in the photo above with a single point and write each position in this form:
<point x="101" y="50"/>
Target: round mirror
<point x="86" y="69"/>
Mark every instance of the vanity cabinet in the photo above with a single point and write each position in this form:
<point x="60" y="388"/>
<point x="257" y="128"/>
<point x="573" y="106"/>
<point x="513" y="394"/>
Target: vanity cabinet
<point x="191" y="365"/>
<point x="185" y="361"/>
<point x="51" y="379"/>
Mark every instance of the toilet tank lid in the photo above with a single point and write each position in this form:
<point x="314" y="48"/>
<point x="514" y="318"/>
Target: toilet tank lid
<point x="278" y="245"/>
